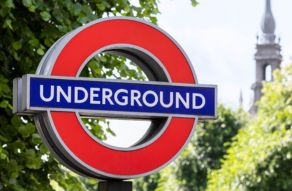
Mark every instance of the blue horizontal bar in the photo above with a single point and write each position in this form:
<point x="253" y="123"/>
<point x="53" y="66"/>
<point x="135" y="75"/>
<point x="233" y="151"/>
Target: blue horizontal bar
<point x="122" y="97"/>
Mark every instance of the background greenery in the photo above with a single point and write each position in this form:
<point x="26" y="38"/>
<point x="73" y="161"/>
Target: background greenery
<point x="27" y="29"/>
<point x="260" y="158"/>
<point x="204" y="153"/>
<point x="236" y="152"/>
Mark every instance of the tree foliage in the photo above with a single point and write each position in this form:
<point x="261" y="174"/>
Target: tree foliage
<point x="27" y="29"/>
<point x="261" y="156"/>
<point x="205" y="152"/>
<point x="211" y="140"/>
<point x="149" y="183"/>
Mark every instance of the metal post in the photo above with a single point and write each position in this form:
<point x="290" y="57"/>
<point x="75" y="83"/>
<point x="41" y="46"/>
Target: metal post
<point x="115" y="185"/>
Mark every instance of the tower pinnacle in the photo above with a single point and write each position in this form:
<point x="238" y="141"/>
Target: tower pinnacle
<point x="240" y="99"/>
<point x="268" y="55"/>
<point x="268" y="24"/>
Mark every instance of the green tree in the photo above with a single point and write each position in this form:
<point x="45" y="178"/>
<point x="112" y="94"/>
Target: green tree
<point x="149" y="183"/>
<point x="260" y="158"/>
<point x="205" y="152"/>
<point x="27" y="29"/>
<point x="211" y="140"/>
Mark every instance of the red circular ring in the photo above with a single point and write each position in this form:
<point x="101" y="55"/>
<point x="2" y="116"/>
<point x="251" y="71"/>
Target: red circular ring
<point x="98" y="157"/>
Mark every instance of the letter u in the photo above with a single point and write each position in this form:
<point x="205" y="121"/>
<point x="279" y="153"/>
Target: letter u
<point x="42" y="94"/>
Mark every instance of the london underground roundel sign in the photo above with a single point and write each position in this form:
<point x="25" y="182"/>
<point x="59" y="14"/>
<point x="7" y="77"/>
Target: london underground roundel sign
<point x="172" y="99"/>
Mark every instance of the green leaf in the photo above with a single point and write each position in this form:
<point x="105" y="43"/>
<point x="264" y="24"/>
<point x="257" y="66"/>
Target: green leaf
<point x="32" y="161"/>
<point x="9" y="4"/>
<point x="29" y="4"/>
<point x="34" y="42"/>
<point x="15" y="121"/>
<point x="103" y="58"/>
<point x="194" y="2"/>
<point x="4" y="104"/>
<point x="3" y="139"/>
<point x="40" y="51"/>
<point x="17" y="45"/>
<point x="101" y="6"/>
<point x="45" y="15"/>
<point x="26" y="130"/>
<point x="36" y="139"/>
<point x="8" y="24"/>
<point x="3" y="154"/>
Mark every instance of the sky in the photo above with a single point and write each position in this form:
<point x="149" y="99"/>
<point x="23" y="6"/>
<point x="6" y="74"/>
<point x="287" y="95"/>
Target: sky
<point x="219" y="36"/>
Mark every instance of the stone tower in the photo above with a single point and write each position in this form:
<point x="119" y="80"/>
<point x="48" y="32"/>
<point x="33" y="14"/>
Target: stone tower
<point x="268" y="55"/>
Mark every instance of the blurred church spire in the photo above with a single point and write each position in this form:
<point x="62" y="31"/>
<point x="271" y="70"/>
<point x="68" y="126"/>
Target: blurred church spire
<point x="240" y="99"/>
<point x="268" y="55"/>
<point x="268" y="24"/>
